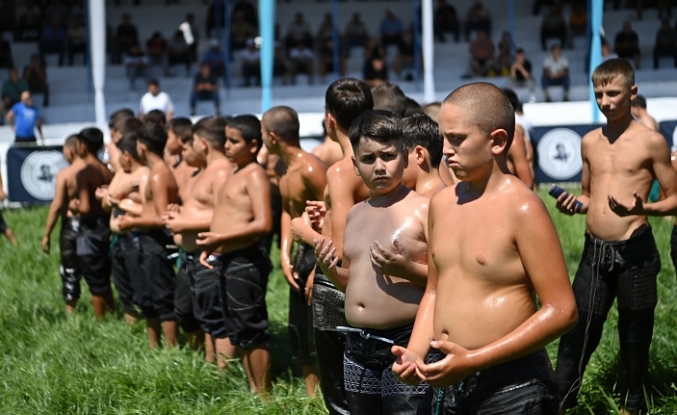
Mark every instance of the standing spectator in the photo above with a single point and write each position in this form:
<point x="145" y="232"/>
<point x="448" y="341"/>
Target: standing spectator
<point x="553" y="26"/>
<point x="391" y="29"/>
<point x="405" y="55"/>
<point x="301" y="59"/>
<point x="190" y="35"/>
<point x="666" y="43"/>
<point x="205" y="88"/>
<point x="326" y="61"/>
<point x="36" y="78"/>
<point x="298" y="32"/>
<point x="481" y="55"/>
<point x="53" y="40"/>
<point x="356" y="33"/>
<point x="136" y="63"/>
<point x="155" y="99"/>
<point x="251" y="64"/>
<point x="76" y="40"/>
<point x="520" y="70"/>
<point x="555" y="73"/>
<point x="478" y="19"/>
<point x="6" y="58"/>
<point x="240" y="31"/>
<point x="505" y="58"/>
<point x="626" y="44"/>
<point x="446" y="20"/>
<point x="178" y="51"/>
<point x="29" y="19"/>
<point x="326" y="29"/>
<point x="13" y="88"/>
<point x="156" y="47"/>
<point x="215" y="59"/>
<point x="375" y="70"/>
<point x="24" y="119"/>
<point x="126" y="35"/>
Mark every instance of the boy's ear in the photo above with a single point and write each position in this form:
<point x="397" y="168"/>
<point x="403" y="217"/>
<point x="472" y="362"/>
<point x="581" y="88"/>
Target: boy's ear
<point x="633" y="92"/>
<point x="352" y="158"/>
<point x="330" y="121"/>
<point x="499" y="142"/>
<point x="421" y="155"/>
<point x="254" y="146"/>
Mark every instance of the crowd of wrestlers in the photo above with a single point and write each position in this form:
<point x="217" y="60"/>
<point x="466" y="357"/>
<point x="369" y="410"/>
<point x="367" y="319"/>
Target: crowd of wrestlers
<point x="425" y="275"/>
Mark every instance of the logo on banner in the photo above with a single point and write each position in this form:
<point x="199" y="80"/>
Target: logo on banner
<point x="38" y="173"/>
<point x="559" y="153"/>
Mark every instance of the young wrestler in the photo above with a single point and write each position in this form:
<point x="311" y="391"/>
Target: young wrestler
<point x="329" y="151"/>
<point x="303" y="178"/>
<point x="65" y="191"/>
<point x="640" y="113"/>
<point x="179" y="130"/>
<point x="422" y="139"/>
<point x="93" y="238"/>
<point x="492" y="248"/>
<point x="432" y="110"/>
<point x="154" y="288"/>
<point x="389" y="97"/>
<point x="379" y="303"/>
<point x="620" y="162"/>
<point x="195" y="216"/>
<point x="520" y="158"/>
<point x="4" y="229"/>
<point x="110" y="150"/>
<point x="272" y="164"/>
<point x="241" y="217"/>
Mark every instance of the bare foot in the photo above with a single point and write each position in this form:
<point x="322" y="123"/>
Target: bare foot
<point x="628" y="412"/>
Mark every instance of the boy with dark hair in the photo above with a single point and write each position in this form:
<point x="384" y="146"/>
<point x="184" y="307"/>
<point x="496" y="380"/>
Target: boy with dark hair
<point x="179" y="131"/>
<point x="479" y="309"/>
<point x="233" y="246"/>
<point x="620" y="257"/>
<point x="93" y="238"/>
<point x="154" y="287"/>
<point x="195" y="216"/>
<point x="64" y="192"/>
<point x="303" y="178"/>
<point x="412" y="108"/>
<point x="157" y="117"/>
<point x="638" y="107"/>
<point x="423" y="141"/>
<point x="110" y="151"/>
<point x="389" y="97"/>
<point x="380" y="307"/>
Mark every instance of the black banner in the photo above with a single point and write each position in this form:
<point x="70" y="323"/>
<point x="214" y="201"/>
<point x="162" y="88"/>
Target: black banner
<point x="557" y="151"/>
<point x="669" y="131"/>
<point x="31" y="172"/>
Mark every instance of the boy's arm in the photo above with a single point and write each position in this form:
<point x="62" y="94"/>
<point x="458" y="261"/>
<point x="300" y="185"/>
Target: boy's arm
<point x="325" y="253"/>
<point x="541" y="254"/>
<point x="518" y="154"/>
<point x="566" y="203"/>
<point x="82" y="183"/>
<point x="159" y="186"/>
<point x="56" y="207"/>
<point x="286" y="242"/>
<point x="342" y="200"/>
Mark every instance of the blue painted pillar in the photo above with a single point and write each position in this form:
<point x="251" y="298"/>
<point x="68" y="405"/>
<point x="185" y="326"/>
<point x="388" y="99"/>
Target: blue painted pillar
<point x="596" y="14"/>
<point x="267" y="28"/>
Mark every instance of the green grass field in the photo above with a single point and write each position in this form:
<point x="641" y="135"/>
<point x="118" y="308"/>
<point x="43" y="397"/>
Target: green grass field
<point x="51" y="363"/>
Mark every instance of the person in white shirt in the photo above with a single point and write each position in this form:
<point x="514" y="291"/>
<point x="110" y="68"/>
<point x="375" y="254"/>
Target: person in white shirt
<point x="154" y="99"/>
<point x="556" y="73"/>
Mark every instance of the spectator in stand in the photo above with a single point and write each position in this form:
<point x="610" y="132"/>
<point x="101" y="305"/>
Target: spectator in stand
<point x="326" y="29"/>
<point x="36" y="78"/>
<point x="29" y="19"/>
<point x="520" y="71"/>
<point x="391" y="29"/>
<point x="280" y="64"/>
<point x="553" y="26"/>
<point x="56" y="10"/>
<point x="190" y="35"/>
<point x="326" y="61"/>
<point x="481" y="55"/>
<point x="446" y="20"/>
<point x="156" y="47"/>
<point x="578" y="21"/>
<point x="356" y="33"/>
<point x="6" y="58"/>
<point x="155" y="99"/>
<point x="375" y="72"/>
<point x="126" y="35"/>
<point x="205" y="88"/>
<point x="248" y="11"/>
<point x="607" y="53"/>
<point x="478" y="19"/>
<point x="240" y="31"/>
<point x="215" y="59"/>
<point x="136" y="63"/>
<point x="555" y="73"/>
<point x="24" y="119"/>
<point x="626" y="44"/>
<point x="666" y="43"/>
<point x="251" y="64"/>
<point x="405" y="56"/>
<point x="178" y="52"/>
<point x="301" y="60"/>
<point x="505" y="57"/>
<point x="298" y="32"/>
<point x="13" y="88"/>
<point x="76" y="40"/>
<point x="53" y="40"/>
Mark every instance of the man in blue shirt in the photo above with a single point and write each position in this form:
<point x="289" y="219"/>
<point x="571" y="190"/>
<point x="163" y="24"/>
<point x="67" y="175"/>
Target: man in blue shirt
<point x="24" y="118"/>
<point x="391" y="29"/>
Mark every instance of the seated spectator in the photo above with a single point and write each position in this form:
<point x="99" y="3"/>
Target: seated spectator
<point x="298" y="32"/>
<point x="326" y="29"/>
<point x="481" y="55"/>
<point x="53" y="40"/>
<point x="76" y="40"/>
<point x="280" y="64"/>
<point x="553" y="26"/>
<point x="356" y="33"/>
<point x="607" y="53"/>
<point x="126" y="35"/>
<point x="178" y="52"/>
<point x="405" y="56"/>
<point x="555" y="73"/>
<point x="520" y="70"/>
<point x="214" y="57"/>
<point x="666" y="43"/>
<point x="205" y="88"/>
<point x="240" y="31"/>
<point x="24" y="118"/>
<point x="6" y="58"/>
<point x="301" y="60"/>
<point x="578" y="20"/>
<point x="446" y="20"/>
<point x="156" y="100"/>
<point x="248" y="12"/>
<point x="505" y="58"/>
<point x="156" y="47"/>
<point x="478" y="19"/>
<point x="326" y="61"/>
<point x="626" y="44"/>
<point x="391" y="29"/>
<point x="28" y="19"/>
<point x="375" y="71"/>
<point x="374" y="50"/>
<point x="251" y="64"/>
<point x="135" y="63"/>
<point x="12" y="89"/>
<point x="36" y="78"/>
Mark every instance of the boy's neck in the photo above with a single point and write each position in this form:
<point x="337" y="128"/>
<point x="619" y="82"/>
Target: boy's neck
<point x="618" y="126"/>
<point x="428" y="179"/>
<point x="492" y="180"/>
<point x="344" y="142"/>
<point x="388" y="199"/>
<point x="136" y="165"/>
<point x="289" y="154"/>
<point x="214" y="155"/>
<point x="90" y="158"/>
<point x="153" y="160"/>
<point x="243" y="164"/>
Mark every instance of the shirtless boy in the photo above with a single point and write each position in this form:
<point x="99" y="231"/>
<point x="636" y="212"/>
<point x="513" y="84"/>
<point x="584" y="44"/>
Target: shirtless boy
<point x="4" y="229"/>
<point x="520" y="157"/>
<point x="241" y="217"/>
<point x="114" y="123"/>
<point x="638" y="107"/>
<point x="377" y="303"/>
<point x="620" y="162"/>
<point x="154" y="287"/>
<point x="492" y="249"/>
<point x="93" y="238"/>
<point x="422" y="139"/>
<point x="329" y="152"/>
<point x="195" y="215"/>
<point x="65" y="191"/>
<point x="178" y="131"/>
<point x="303" y="178"/>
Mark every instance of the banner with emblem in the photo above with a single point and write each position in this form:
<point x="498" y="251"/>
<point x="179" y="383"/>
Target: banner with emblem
<point x="31" y="173"/>
<point x="558" y="152"/>
<point x="669" y="131"/>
